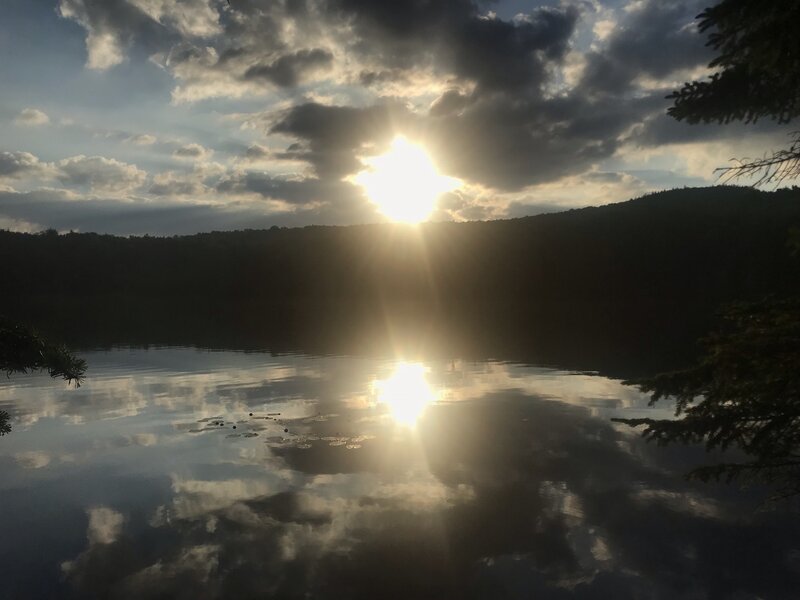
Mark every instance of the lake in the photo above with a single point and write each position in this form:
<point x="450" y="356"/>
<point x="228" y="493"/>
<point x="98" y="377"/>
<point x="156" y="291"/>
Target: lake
<point x="178" y="472"/>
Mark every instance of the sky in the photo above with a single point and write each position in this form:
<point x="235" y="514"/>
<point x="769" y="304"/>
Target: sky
<point x="179" y="116"/>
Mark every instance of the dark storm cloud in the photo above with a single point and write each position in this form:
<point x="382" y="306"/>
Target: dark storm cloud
<point x="509" y="144"/>
<point x="509" y="116"/>
<point x="328" y="137"/>
<point x="657" y="39"/>
<point x="495" y="140"/>
<point x="454" y="38"/>
<point x="507" y="133"/>
<point x="290" y="69"/>
<point x="300" y="191"/>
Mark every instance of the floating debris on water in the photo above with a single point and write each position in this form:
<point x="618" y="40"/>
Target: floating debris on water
<point x="353" y="446"/>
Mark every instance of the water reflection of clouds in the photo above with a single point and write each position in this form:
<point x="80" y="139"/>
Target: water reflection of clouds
<point x="110" y="395"/>
<point x="237" y="390"/>
<point x="510" y="487"/>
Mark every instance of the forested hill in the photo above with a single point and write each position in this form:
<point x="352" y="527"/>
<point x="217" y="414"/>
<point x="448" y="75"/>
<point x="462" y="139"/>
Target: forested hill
<point x="709" y="244"/>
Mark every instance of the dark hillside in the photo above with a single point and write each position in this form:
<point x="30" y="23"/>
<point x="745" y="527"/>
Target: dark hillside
<point x="688" y="245"/>
<point x="625" y="289"/>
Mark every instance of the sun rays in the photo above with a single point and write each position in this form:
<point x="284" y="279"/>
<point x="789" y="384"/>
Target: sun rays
<point x="404" y="183"/>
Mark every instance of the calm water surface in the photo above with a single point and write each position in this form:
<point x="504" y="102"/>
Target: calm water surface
<point x="183" y="473"/>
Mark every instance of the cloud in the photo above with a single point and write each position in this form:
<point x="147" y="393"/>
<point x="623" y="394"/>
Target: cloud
<point x="113" y="26"/>
<point x="255" y="153"/>
<point x="193" y="152"/>
<point x="274" y="42"/>
<point x="507" y="105"/>
<point x="290" y="69"/>
<point x="452" y="101"/>
<point x="191" y="18"/>
<point x="661" y="129"/>
<point x="161" y="215"/>
<point x="496" y="141"/>
<point x="292" y="191"/>
<point x="35" y="459"/>
<point x="175" y="184"/>
<point x="329" y="137"/>
<point x="143" y="139"/>
<point x="655" y="39"/>
<point x="100" y="174"/>
<point x="31" y="117"/>
<point x="105" y="525"/>
<point x="453" y="38"/>
<point x="15" y="165"/>
<point x="103" y="47"/>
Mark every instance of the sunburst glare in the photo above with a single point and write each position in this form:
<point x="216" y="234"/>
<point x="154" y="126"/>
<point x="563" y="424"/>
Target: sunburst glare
<point x="406" y="393"/>
<point x="404" y="182"/>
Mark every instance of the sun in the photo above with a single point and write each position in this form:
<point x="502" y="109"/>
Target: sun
<point x="404" y="182"/>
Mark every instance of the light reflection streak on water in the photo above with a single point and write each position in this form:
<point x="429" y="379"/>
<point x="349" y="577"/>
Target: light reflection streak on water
<point x="406" y="392"/>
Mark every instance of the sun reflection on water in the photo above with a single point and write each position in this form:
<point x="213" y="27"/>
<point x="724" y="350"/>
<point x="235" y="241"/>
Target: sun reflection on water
<point x="406" y="392"/>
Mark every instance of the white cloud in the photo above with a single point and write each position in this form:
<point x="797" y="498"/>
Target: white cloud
<point x="194" y="18"/>
<point x="103" y="47"/>
<point x="143" y="139"/>
<point x="171" y="183"/>
<point x="18" y="165"/>
<point x="104" y="50"/>
<point x="100" y="173"/>
<point x="193" y="152"/>
<point x="31" y="117"/>
<point x="256" y="153"/>
<point x="603" y="28"/>
<point x="201" y="75"/>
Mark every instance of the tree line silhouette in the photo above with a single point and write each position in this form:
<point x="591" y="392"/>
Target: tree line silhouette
<point x="699" y="245"/>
